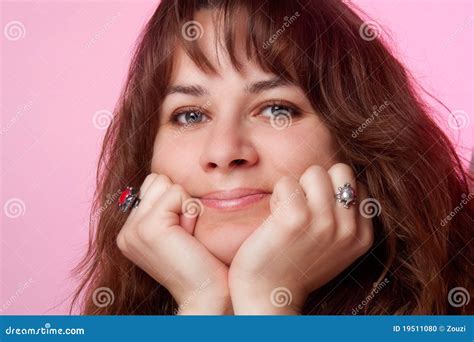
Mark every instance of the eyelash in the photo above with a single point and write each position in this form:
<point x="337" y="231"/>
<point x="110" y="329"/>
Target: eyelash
<point x="294" y="111"/>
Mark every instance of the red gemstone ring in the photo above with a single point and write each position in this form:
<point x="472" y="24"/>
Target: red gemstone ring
<point x="129" y="198"/>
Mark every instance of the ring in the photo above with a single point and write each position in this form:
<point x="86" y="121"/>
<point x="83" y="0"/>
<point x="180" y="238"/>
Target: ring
<point x="346" y="194"/>
<point x="129" y="198"/>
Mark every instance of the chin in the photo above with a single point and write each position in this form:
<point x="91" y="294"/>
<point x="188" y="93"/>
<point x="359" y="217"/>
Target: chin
<point x="223" y="232"/>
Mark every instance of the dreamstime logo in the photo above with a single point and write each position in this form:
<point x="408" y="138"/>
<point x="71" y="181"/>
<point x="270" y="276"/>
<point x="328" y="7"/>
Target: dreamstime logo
<point x="14" y="208"/>
<point x="192" y="30"/>
<point x="22" y="286"/>
<point x="111" y="199"/>
<point x="192" y="207"/>
<point x="193" y="295"/>
<point x="48" y="329"/>
<point x="458" y="296"/>
<point x="376" y="110"/>
<point x="458" y="208"/>
<point x="376" y="288"/>
<point x="268" y="222"/>
<point x="281" y="119"/>
<point x="458" y="120"/>
<point x="102" y="119"/>
<point x="14" y="30"/>
<point x="286" y="24"/>
<point x="22" y="110"/>
<point x="370" y="207"/>
<point x="106" y="27"/>
<point x="369" y="30"/>
<point x="102" y="297"/>
<point x="467" y="22"/>
<point x="281" y="297"/>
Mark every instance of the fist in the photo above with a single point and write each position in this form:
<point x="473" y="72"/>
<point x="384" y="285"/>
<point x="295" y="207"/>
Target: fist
<point x="308" y="239"/>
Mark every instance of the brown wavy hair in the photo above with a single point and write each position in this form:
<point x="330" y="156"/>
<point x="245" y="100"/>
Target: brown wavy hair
<point x="374" y="109"/>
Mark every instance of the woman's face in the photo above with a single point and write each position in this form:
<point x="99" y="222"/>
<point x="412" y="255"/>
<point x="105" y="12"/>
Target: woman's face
<point x="235" y="130"/>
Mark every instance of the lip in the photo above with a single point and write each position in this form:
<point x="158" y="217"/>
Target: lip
<point x="233" y="199"/>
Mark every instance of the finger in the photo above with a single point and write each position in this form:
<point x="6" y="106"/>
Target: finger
<point x="346" y="218"/>
<point x="169" y="211"/>
<point x="191" y="209"/>
<point x="143" y="189"/>
<point x="288" y="203"/>
<point x="317" y="186"/>
<point x="147" y="182"/>
<point x="153" y="191"/>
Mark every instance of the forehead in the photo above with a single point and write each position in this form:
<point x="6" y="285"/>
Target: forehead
<point x="212" y="44"/>
<point x="185" y="69"/>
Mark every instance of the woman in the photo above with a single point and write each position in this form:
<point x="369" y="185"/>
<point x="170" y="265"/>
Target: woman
<point x="276" y="159"/>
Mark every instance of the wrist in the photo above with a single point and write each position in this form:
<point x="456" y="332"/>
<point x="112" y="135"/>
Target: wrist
<point x="267" y="300"/>
<point x="206" y="304"/>
<point x="210" y="307"/>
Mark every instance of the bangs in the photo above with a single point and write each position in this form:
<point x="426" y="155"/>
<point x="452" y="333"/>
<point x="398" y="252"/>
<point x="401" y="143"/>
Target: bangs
<point x="269" y="33"/>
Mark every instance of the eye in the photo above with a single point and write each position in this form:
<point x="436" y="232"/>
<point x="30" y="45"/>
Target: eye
<point x="189" y="117"/>
<point x="276" y="109"/>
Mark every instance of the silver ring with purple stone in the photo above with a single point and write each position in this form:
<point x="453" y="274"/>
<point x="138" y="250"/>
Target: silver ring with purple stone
<point x="346" y="195"/>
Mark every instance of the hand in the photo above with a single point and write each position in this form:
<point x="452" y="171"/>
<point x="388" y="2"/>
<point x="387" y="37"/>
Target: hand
<point x="308" y="239"/>
<point x="157" y="237"/>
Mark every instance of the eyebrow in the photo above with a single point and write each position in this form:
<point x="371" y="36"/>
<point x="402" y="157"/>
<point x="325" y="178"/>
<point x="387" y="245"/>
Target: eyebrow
<point x="253" y="88"/>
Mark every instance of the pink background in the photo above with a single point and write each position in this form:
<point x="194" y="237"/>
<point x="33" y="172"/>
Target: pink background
<point x="70" y="62"/>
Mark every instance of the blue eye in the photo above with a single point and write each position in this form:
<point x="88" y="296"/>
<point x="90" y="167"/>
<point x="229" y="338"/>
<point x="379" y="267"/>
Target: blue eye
<point x="277" y="110"/>
<point x="270" y="111"/>
<point x="189" y="117"/>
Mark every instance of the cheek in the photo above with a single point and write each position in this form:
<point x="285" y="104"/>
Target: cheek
<point x="308" y="155"/>
<point x="298" y="149"/>
<point x="173" y="157"/>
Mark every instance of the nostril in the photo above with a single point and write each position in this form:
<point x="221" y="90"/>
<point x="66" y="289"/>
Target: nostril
<point x="237" y="162"/>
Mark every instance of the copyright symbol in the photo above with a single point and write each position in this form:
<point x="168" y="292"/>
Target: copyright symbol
<point x="441" y="328"/>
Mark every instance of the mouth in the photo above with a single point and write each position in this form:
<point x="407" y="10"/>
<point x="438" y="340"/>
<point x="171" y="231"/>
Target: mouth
<point x="234" y="199"/>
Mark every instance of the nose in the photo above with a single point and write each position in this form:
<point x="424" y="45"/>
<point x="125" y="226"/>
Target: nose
<point x="228" y="147"/>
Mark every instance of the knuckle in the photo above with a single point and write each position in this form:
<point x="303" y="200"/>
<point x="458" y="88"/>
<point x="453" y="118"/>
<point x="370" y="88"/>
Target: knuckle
<point x="325" y="228"/>
<point x="296" y="219"/>
<point x="368" y="240"/>
<point x="177" y="188"/>
<point x="144" y="233"/>
<point x="326" y="222"/>
<point x="305" y="215"/>
<point x="312" y="171"/>
<point x="150" y="177"/>
<point x="126" y="241"/>
<point x="310" y="176"/>
<point x="285" y="185"/>
<point x="326" y="235"/>
<point x="347" y="235"/>
<point x="121" y="242"/>
<point x="340" y="167"/>
<point x="161" y="180"/>
<point x="284" y="181"/>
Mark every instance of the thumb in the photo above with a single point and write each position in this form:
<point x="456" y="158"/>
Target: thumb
<point x="191" y="209"/>
<point x="188" y="223"/>
<point x="176" y="207"/>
